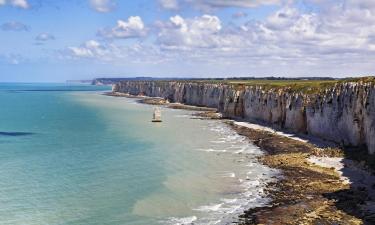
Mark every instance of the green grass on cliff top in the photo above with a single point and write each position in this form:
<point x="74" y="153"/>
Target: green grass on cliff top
<point x="304" y="86"/>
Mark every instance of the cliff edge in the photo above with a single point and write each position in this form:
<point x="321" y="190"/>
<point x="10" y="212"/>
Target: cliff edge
<point x="339" y="111"/>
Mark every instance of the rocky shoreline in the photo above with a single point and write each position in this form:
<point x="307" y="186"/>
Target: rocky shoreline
<point x="307" y="193"/>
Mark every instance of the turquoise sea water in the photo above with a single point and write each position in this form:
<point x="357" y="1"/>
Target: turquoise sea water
<point x="70" y="155"/>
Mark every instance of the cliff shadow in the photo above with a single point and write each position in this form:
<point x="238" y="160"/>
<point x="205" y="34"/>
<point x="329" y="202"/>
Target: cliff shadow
<point x="359" y="199"/>
<point x="279" y="130"/>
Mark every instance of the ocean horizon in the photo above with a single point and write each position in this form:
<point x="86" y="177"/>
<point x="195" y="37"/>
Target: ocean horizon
<point x="71" y="155"/>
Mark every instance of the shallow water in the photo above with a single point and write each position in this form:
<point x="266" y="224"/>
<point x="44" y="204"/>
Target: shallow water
<point x="69" y="155"/>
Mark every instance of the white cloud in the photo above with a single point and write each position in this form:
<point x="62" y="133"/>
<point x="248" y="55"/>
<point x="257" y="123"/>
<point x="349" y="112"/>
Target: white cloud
<point x="187" y="33"/>
<point x="12" y="59"/>
<point x="16" y="3"/>
<point x="114" y="53"/>
<point x="169" y="4"/>
<point x="337" y="29"/>
<point x="103" y="6"/>
<point x="89" y="49"/>
<point x="44" y="37"/>
<point x="333" y="36"/>
<point x="132" y="28"/>
<point x="337" y="38"/>
<point x="239" y="15"/>
<point x="14" y="26"/>
<point x="19" y="3"/>
<point x="207" y="5"/>
<point x="234" y="3"/>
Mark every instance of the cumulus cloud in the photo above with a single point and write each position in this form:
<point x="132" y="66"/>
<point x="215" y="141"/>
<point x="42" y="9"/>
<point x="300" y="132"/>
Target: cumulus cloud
<point x="42" y="37"/>
<point x="132" y="28"/>
<point x="103" y="6"/>
<point x="14" y="26"/>
<point x="112" y="53"/>
<point x="338" y="30"/>
<point x="187" y="33"/>
<point x="19" y="3"/>
<point x="16" y="3"/>
<point x="287" y="34"/>
<point x="89" y="49"/>
<point x="333" y="38"/>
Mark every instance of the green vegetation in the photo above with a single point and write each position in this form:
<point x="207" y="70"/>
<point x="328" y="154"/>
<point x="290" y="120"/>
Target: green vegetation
<point x="313" y="85"/>
<point x="369" y="79"/>
<point x="305" y="86"/>
<point x="299" y="85"/>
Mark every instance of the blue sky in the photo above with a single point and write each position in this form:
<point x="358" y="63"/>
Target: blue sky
<point x="48" y="40"/>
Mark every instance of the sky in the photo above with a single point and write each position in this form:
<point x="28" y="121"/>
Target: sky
<point x="53" y="40"/>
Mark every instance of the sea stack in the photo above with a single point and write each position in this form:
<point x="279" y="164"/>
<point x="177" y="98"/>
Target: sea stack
<point x="157" y="115"/>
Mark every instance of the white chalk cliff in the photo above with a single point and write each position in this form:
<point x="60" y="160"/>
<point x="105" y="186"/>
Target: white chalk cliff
<point x="344" y="113"/>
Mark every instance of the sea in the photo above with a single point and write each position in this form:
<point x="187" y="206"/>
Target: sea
<point x="70" y="155"/>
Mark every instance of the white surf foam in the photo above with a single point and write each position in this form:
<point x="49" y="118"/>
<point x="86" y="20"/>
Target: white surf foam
<point x="209" y="208"/>
<point x="230" y="174"/>
<point x="182" y="221"/>
<point x="229" y="200"/>
<point x="211" y="150"/>
<point x="248" y="185"/>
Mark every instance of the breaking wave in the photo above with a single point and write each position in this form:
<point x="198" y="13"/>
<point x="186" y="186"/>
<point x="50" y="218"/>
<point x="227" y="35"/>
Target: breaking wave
<point x="250" y="182"/>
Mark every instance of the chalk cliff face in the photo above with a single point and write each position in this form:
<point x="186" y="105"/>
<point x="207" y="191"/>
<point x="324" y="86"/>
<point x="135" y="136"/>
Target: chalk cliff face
<point x="344" y="113"/>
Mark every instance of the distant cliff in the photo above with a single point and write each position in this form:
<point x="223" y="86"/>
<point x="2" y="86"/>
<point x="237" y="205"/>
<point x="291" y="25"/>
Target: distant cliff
<point x="343" y="112"/>
<point x="111" y="81"/>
